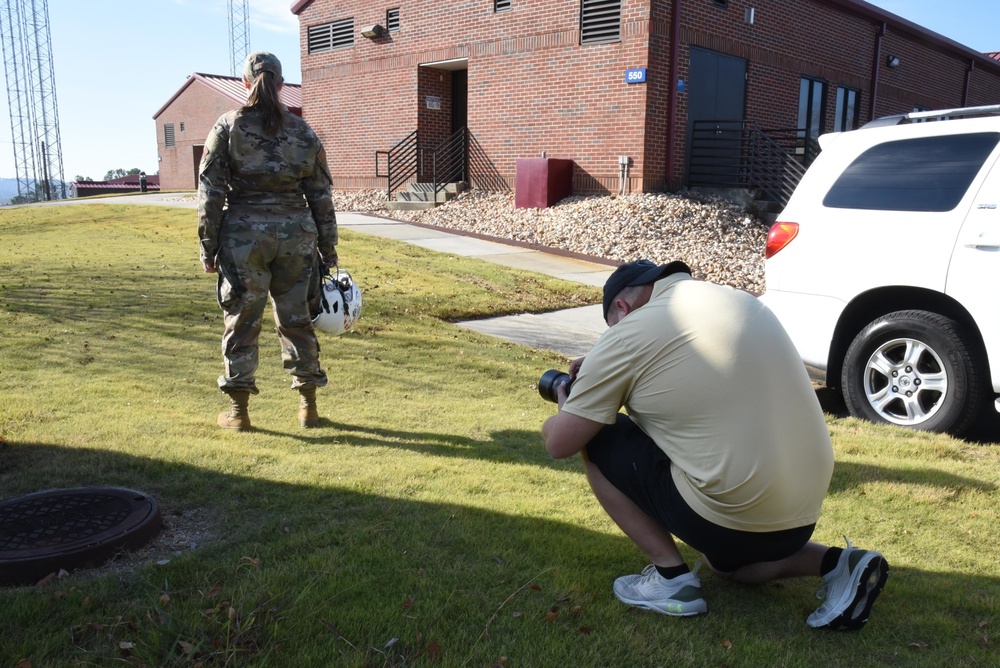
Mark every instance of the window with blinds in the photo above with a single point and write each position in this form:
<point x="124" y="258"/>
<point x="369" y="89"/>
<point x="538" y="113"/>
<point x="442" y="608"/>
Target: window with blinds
<point x="600" y="21"/>
<point x="392" y="19"/>
<point x="501" y="5"/>
<point x="168" y="134"/>
<point x="331" y="36"/>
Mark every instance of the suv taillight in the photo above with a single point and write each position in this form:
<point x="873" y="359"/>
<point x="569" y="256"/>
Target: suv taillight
<point x="779" y="236"/>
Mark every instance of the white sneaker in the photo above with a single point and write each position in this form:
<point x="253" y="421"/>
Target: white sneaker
<point x="850" y="590"/>
<point x="679" y="596"/>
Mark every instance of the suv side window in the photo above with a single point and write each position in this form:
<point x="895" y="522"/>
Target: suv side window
<point x="925" y="174"/>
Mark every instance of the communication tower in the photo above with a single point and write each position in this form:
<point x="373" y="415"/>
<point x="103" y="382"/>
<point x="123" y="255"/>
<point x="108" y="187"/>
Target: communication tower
<point x="239" y="34"/>
<point x="31" y="98"/>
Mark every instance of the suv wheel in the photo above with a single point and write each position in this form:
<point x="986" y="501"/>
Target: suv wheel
<point x="915" y="369"/>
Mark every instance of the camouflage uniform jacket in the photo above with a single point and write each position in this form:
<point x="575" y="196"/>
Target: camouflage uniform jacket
<point x="263" y="178"/>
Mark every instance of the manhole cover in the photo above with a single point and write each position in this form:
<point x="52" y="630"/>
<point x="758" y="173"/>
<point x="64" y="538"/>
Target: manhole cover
<point x="71" y="528"/>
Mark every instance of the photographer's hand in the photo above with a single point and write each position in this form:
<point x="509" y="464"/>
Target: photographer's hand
<point x="561" y="394"/>
<point x="574" y="367"/>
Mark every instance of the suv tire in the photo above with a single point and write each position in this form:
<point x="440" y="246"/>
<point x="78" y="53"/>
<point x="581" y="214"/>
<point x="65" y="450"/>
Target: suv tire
<point x="915" y="369"/>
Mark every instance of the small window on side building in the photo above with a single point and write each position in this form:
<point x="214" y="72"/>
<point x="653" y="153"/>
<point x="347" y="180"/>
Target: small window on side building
<point x="812" y="105"/>
<point x="847" y="110"/>
<point x="501" y="6"/>
<point x="392" y="19"/>
<point x="168" y="134"/>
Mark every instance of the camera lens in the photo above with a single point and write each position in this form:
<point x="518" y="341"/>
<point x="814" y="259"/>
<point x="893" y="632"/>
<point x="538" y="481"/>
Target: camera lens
<point x="549" y="383"/>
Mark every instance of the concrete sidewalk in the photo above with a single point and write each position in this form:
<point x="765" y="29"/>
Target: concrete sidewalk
<point x="571" y="332"/>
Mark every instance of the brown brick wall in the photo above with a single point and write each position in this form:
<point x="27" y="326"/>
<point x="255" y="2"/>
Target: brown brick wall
<point x="197" y="107"/>
<point x="532" y="88"/>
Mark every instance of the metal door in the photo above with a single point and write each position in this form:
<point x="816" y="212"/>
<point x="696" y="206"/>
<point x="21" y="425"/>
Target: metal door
<point x="716" y="92"/>
<point x="459" y="99"/>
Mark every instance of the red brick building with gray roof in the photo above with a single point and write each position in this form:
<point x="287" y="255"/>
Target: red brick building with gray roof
<point x="184" y="121"/>
<point x="604" y="81"/>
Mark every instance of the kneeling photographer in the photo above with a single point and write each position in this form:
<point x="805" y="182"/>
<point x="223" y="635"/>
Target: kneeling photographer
<point x="724" y="445"/>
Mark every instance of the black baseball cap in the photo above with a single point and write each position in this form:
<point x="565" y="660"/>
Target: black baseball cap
<point x="639" y="272"/>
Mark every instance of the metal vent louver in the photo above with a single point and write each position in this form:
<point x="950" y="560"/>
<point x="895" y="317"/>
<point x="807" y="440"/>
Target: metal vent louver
<point x="600" y="21"/>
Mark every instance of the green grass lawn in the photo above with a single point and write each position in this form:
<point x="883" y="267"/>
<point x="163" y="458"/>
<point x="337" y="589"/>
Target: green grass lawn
<point x="422" y="523"/>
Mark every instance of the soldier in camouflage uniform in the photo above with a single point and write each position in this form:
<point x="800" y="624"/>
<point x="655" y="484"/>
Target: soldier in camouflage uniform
<point x="269" y="167"/>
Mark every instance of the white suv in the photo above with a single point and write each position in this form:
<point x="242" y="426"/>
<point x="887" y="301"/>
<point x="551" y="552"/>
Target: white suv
<point x="885" y="263"/>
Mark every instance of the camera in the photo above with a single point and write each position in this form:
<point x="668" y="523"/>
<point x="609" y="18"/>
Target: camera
<point x="549" y="383"/>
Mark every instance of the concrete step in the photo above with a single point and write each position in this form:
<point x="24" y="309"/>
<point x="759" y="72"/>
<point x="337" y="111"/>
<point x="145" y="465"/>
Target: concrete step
<point x="424" y="196"/>
<point x="769" y="206"/>
<point x="424" y="192"/>
<point x="768" y="210"/>
<point x="446" y="187"/>
<point x="402" y="205"/>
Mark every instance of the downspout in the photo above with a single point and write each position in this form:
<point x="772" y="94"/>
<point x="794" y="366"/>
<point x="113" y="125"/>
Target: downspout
<point x="968" y="83"/>
<point x="876" y="68"/>
<point x="675" y="49"/>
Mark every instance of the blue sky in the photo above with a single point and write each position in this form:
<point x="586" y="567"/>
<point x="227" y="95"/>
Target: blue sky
<point x="118" y="61"/>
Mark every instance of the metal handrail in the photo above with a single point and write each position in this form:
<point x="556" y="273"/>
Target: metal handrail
<point x="772" y="169"/>
<point x="796" y="141"/>
<point x="401" y="163"/>
<point x="450" y="160"/>
<point x="738" y="154"/>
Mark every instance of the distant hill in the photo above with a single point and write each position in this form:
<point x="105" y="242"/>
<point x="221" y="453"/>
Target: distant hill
<point x="8" y="189"/>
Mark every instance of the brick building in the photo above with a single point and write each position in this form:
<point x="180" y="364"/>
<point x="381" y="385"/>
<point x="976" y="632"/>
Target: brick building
<point x="123" y="184"/>
<point x="183" y="123"/>
<point x="597" y="80"/>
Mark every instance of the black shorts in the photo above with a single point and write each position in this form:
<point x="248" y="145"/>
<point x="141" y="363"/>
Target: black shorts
<point x="633" y="463"/>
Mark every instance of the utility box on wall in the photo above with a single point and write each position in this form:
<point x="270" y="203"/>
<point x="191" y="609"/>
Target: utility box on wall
<point x="541" y="182"/>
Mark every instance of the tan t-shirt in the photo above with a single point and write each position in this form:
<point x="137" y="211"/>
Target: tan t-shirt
<point x="710" y="375"/>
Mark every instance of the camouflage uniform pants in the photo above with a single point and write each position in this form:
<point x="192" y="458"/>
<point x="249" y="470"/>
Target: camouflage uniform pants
<point x="256" y="259"/>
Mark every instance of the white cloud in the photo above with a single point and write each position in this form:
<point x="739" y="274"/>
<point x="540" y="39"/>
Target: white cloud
<point x="273" y="15"/>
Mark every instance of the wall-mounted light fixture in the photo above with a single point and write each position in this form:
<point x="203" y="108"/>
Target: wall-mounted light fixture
<point x="892" y="61"/>
<point x="371" y="32"/>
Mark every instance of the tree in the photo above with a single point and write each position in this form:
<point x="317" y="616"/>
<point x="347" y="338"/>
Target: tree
<point x="118" y="173"/>
<point x="78" y="178"/>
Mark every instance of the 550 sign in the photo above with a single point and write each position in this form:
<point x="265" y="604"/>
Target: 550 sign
<point x="635" y="75"/>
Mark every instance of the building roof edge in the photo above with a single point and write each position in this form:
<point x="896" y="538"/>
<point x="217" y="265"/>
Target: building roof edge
<point x="187" y="82"/>
<point x="920" y="32"/>
<point x="291" y="94"/>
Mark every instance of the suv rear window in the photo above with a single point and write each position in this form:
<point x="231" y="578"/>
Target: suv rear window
<point x="924" y="174"/>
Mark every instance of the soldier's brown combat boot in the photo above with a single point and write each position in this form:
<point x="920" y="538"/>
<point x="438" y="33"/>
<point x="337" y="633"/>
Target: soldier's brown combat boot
<point x="238" y="416"/>
<point x="308" y="414"/>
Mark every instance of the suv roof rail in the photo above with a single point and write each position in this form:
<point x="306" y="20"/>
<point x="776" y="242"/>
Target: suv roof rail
<point x="937" y="115"/>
